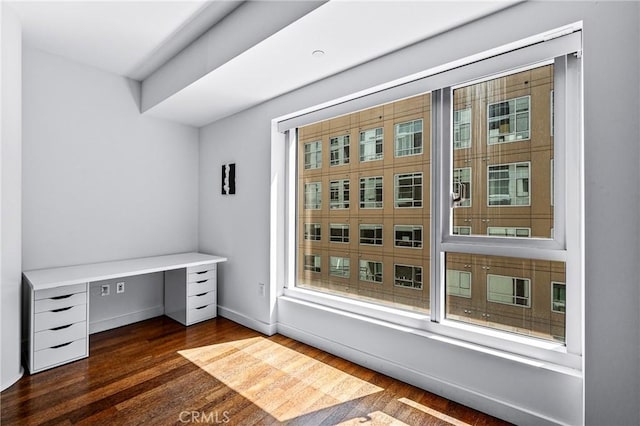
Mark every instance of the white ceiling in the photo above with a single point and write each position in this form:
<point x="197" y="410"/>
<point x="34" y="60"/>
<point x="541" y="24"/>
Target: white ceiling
<point x="133" y="38"/>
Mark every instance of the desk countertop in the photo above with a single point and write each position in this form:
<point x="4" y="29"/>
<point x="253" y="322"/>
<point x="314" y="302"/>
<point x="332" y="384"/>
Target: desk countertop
<point x="42" y="279"/>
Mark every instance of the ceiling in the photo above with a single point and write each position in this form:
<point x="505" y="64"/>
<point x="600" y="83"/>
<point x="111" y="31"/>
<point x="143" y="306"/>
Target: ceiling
<point x="133" y="38"/>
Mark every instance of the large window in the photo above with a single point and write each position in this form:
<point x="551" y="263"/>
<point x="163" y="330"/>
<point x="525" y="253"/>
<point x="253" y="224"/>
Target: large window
<point x="339" y="149"/>
<point x="339" y="194"/>
<point x="408" y="190"/>
<point x="371" y="192"/>
<point x="508" y="121"/>
<point x="469" y="227"/>
<point x="371" y="143"/>
<point x="408" y="138"/>
<point x="509" y="185"/>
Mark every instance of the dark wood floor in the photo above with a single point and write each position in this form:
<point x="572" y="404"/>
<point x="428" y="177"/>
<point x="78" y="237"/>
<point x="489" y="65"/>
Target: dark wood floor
<point x="218" y="372"/>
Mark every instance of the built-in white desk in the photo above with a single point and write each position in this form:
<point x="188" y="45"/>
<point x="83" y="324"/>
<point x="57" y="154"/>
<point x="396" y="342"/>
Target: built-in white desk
<point x="56" y="301"/>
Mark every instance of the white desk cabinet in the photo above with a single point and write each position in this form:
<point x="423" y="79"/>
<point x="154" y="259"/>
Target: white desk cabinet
<point x="190" y="294"/>
<point x="56" y="301"/>
<point x="57" y="325"/>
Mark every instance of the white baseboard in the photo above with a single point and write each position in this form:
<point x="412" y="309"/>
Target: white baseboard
<point x="451" y="391"/>
<point x="115" y="322"/>
<point x="252" y="323"/>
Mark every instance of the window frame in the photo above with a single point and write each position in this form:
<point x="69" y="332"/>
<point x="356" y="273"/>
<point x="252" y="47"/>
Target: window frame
<point x="515" y="114"/>
<point x="375" y="227"/>
<point x="343" y="160"/>
<point x="470" y="123"/>
<point x="413" y="241"/>
<point x="413" y="149"/>
<point x="312" y="225"/>
<point x="361" y="192"/>
<point x="344" y="226"/>
<point x="376" y="141"/>
<point x="313" y="154"/>
<point x="414" y="268"/>
<point x="514" y="284"/>
<point x="460" y="273"/>
<point x="415" y="203"/>
<point x="558" y="46"/>
<point x="510" y="179"/>
<point x="340" y="205"/>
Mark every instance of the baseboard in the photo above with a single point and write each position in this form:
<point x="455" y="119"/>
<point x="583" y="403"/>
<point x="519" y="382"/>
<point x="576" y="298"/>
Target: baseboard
<point x="451" y="391"/>
<point x="252" y="323"/>
<point x="115" y="322"/>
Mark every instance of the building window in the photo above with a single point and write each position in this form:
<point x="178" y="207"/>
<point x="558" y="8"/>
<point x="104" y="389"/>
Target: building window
<point x="508" y="184"/>
<point x="371" y="145"/>
<point x="312" y="231"/>
<point x="408" y="138"/>
<point x="370" y="271"/>
<point x="371" y="234"/>
<point x="408" y="276"/>
<point x="509" y="290"/>
<point x="461" y="230"/>
<point x="509" y="120"/>
<point x="312" y="195"/>
<point x="408" y="236"/>
<point x="339" y="150"/>
<point x="339" y="194"/>
<point x="558" y="297"/>
<point x="313" y="155"/>
<point x="312" y="262"/>
<point x="462" y="185"/>
<point x="339" y="266"/>
<point x="408" y="190"/>
<point x="371" y="192"/>
<point x="462" y="128"/>
<point x="458" y="283"/>
<point x="339" y="233"/>
<point x="501" y="231"/>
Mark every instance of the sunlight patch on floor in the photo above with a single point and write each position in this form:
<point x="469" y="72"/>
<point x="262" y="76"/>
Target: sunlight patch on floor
<point x="377" y="418"/>
<point x="284" y="383"/>
<point x="432" y="412"/>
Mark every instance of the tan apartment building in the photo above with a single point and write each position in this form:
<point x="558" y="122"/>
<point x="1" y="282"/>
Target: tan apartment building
<point x="364" y="214"/>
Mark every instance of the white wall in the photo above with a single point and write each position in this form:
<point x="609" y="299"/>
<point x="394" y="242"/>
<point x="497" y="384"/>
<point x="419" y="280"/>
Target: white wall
<point x="100" y="181"/>
<point x="10" y="193"/>
<point x="238" y="227"/>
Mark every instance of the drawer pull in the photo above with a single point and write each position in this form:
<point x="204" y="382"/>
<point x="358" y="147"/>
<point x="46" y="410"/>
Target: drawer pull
<point x="200" y="295"/>
<point x="61" y="346"/>
<point x="62" y="309"/>
<point x="202" y="281"/>
<point x="62" y="327"/>
<point x="201" y="272"/>
<point x="66" y="296"/>
<point x="202" y="307"/>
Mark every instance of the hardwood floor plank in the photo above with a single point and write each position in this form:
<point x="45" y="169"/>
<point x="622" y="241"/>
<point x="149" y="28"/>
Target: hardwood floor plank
<point x="158" y="372"/>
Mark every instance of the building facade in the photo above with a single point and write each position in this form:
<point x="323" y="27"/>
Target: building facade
<point x="364" y="219"/>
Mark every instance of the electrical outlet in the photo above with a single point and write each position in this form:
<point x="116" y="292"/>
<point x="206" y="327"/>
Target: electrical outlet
<point x="105" y="289"/>
<point x="120" y="287"/>
<point x="261" y="289"/>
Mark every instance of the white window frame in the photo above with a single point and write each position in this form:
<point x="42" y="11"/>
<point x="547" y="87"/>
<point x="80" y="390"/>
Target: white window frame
<point x="366" y="204"/>
<point x="456" y="128"/>
<point x="313" y="153"/>
<point x="415" y="203"/>
<point x="513" y="182"/>
<point x="342" y="226"/>
<point x="375" y="227"/>
<point x="407" y="152"/>
<point x="341" y="142"/>
<point x="449" y="287"/>
<point x="343" y="189"/>
<point x="371" y="137"/>
<point x="413" y="241"/>
<point x="566" y="245"/>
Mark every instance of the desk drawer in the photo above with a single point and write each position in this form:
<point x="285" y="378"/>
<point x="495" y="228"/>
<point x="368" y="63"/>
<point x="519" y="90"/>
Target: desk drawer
<point x="201" y="286"/>
<point x="52" y="319"/>
<point x="201" y="299"/>
<point x="59" y="302"/>
<point x="201" y="268"/>
<point x="199" y="276"/>
<point x="202" y="313"/>
<point x="58" y="355"/>
<point x="60" y="291"/>
<point x="67" y="333"/>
